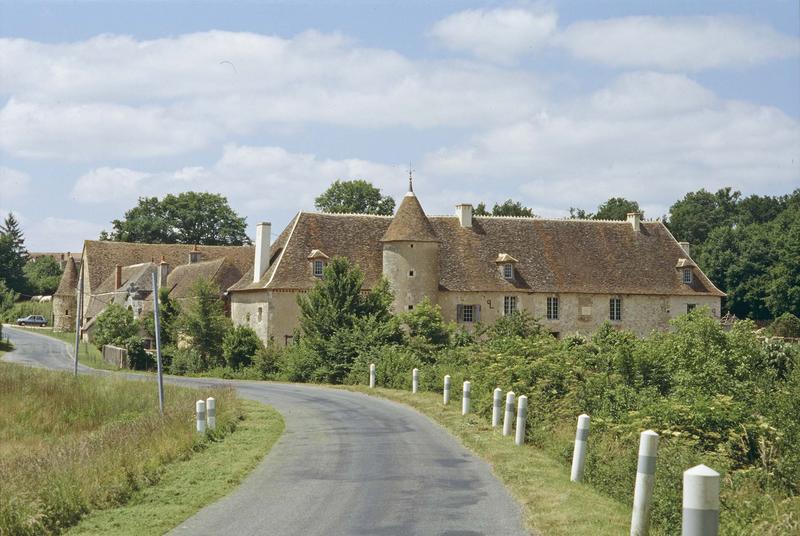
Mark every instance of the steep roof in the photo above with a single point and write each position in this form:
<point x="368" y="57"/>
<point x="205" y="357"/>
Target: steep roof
<point x="102" y="256"/>
<point x="410" y="223"/>
<point x="221" y="271"/>
<point x="581" y="256"/>
<point x="69" y="279"/>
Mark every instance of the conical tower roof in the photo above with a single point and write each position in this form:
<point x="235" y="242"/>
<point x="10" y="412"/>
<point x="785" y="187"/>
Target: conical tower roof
<point x="410" y="223"/>
<point x="69" y="279"/>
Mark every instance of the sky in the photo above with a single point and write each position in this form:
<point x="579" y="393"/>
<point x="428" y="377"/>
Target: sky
<point x="553" y="104"/>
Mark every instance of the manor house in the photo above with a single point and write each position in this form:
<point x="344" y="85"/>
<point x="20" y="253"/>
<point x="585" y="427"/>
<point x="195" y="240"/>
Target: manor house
<point x="572" y="274"/>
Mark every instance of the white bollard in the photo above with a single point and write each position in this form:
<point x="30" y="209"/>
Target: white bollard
<point x="446" y="396"/>
<point x="579" y="453"/>
<point x="465" y="398"/>
<point x="211" y="413"/>
<point x="414" y="380"/>
<point x="497" y="406"/>
<point x="522" y="415"/>
<point x="372" y="376"/>
<point x="508" y="418"/>
<point x="700" y="502"/>
<point x="645" y="478"/>
<point x="200" y="410"/>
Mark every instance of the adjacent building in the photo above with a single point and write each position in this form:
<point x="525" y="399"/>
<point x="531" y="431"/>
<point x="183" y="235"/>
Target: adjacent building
<point x="572" y="274"/>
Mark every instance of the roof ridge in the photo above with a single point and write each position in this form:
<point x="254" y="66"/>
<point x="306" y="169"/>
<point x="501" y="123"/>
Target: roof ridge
<point x="283" y="249"/>
<point x="351" y="214"/>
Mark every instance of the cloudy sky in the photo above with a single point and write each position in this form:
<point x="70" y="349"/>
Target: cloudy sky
<point x="555" y="104"/>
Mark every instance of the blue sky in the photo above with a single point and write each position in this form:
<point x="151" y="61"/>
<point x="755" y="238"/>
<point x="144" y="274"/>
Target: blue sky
<point x="555" y="104"/>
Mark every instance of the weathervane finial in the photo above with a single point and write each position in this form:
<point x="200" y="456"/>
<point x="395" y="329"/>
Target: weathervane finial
<point x="410" y="178"/>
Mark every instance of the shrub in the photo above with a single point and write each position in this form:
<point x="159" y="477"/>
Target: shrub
<point x="115" y="325"/>
<point x="239" y="346"/>
<point x="786" y="325"/>
<point x="267" y="361"/>
<point x="205" y="324"/>
<point x="138" y="358"/>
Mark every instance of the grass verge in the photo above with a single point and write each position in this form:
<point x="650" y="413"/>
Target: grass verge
<point x="187" y="486"/>
<point x="89" y="354"/>
<point x="552" y="505"/>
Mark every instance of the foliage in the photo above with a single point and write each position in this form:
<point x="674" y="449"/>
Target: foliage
<point x="186" y="218"/>
<point x="43" y="275"/>
<point x="24" y="308"/>
<point x="694" y="217"/>
<point x="239" y="346"/>
<point x="115" y="325"/>
<point x="204" y="323"/>
<point x="616" y="208"/>
<point x="138" y="358"/>
<point x="168" y="318"/>
<point x="13" y="254"/>
<point x="7" y="298"/>
<point x="356" y="196"/>
<point x="509" y="207"/>
<point x="786" y="325"/>
<point x="425" y="321"/>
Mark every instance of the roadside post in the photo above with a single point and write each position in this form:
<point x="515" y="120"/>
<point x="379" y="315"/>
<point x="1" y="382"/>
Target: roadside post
<point x="645" y="479"/>
<point x="522" y="415"/>
<point x="156" y="318"/>
<point x="700" y="502"/>
<point x="579" y="452"/>
<point x="372" y="376"/>
<point x="508" y="417"/>
<point x="211" y="412"/>
<point x="446" y="396"/>
<point x="200" y="411"/>
<point x="465" y="398"/>
<point x="497" y="404"/>
<point x="414" y="380"/>
<point x="79" y="319"/>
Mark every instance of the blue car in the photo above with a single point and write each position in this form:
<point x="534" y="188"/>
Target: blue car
<point x="32" y="320"/>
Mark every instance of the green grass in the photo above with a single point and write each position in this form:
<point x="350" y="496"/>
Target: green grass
<point x="74" y="446"/>
<point x="187" y="486"/>
<point x="552" y="504"/>
<point x="89" y="355"/>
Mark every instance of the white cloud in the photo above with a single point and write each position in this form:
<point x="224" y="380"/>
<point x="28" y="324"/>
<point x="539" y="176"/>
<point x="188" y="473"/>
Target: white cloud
<point x="500" y="34"/>
<point x="103" y="185"/>
<point x="618" y="143"/>
<point x="677" y="43"/>
<point x="60" y="234"/>
<point x="13" y="183"/>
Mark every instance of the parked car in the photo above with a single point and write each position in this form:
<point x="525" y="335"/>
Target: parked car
<point x="32" y="320"/>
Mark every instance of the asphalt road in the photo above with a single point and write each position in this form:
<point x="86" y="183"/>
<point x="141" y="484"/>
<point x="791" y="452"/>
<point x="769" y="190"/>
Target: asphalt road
<point x="347" y="464"/>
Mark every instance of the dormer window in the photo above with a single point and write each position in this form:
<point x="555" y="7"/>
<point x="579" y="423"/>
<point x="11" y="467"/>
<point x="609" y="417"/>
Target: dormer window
<point x="687" y="276"/>
<point x="505" y="263"/>
<point x="508" y="271"/>
<point x="319" y="267"/>
<point x="318" y="260"/>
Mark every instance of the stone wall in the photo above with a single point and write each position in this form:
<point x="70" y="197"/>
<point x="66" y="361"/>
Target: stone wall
<point x="278" y="316"/>
<point x="400" y="260"/>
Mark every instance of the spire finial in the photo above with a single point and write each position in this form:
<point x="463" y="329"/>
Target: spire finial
<point x="410" y="178"/>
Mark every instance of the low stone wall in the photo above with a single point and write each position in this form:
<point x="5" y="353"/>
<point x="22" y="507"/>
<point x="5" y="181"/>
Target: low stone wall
<point x="116" y="356"/>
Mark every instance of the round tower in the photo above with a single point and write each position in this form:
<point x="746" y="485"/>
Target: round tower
<point x="64" y="304"/>
<point x="411" y="256"/>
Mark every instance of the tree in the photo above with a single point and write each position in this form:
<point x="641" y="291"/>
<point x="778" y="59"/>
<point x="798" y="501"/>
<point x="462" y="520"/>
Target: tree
<point x="480" y="210"/>
<point x="357" y="196"/>
<point x="694" y="217"/>
<point x="168" y="316"/>
<point x="43" y="275"/>
<point x="186" y="218"/>
<point x="240" y="345"/>
<point x="13" y="254"/>
<point x="616" y="208"/>
<point x="509" y="207"/>
<point x="115" y="325"/>
<point x="205" y="323"/>
<point x="426" y="321"/>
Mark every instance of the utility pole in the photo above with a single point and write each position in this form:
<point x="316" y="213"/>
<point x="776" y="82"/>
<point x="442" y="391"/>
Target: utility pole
<point x="158" y="345"/>
<point x="79" y="318"/>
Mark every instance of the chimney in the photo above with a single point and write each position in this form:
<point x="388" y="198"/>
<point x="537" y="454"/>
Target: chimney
<point x="686" y="249"/>
<point x="464" y="213"/>
<point x="163" y="272"/>
<point x="194" y="255"/>
<point x="117" y="277"/>
<point x="635" y="219"/>
<point x="261" y="263"/>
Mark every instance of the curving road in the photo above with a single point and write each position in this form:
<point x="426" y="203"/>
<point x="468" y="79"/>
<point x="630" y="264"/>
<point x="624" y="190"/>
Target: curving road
<point x="347" y="464"/>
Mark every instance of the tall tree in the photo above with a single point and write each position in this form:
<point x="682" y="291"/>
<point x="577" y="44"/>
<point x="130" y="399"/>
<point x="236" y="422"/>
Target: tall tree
<point x="698" y="213"/>
<point x="509" y="207"/>
<point x="616" y="208"/>
<point x="13" y="255"/>
<point x="205" y="323"/>
<point x="43" y="275"/>
<point x="186" y="218"/>
<point x="356" y="196"/>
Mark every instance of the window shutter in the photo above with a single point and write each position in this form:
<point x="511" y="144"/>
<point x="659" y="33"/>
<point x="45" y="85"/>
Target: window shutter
<point x="477" y="313"/>
<point x="459" y="313"/>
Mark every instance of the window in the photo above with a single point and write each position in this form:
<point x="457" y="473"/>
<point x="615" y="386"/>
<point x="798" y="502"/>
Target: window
<point x="411" y="273"/>
<point x="509" y="304"/>
<point x="410" y="307"/>
<point x="508" y="271"/>
<point x="247" y="318"/>
<point x="690" y="307"/>
<point x="687" y="275"/>
<point x="468" y="313"/>
<point x="319" y="266"/>
<point x="552" y="308"/>
<point x="259" y="313"/>
<point x="615" y="308"/>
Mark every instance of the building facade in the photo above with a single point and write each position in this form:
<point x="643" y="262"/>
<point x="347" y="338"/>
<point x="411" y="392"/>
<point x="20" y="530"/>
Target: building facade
<point x="573" y="275"/>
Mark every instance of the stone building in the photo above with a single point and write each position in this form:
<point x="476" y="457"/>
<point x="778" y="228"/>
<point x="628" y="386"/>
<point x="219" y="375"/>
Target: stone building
<point x="121" y="273"/>
<point x="572" y="274"/>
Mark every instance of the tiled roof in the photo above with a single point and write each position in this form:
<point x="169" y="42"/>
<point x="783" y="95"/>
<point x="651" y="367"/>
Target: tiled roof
<point x="410" y="223"/>
<point x="69" y="279"/>
<point x="102" y="256"/>
<point x="581" y="256"/>
<point x="220" y="271"/>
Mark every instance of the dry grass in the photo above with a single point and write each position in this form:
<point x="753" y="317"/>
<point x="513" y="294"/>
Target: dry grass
<point x="72" y="445"/>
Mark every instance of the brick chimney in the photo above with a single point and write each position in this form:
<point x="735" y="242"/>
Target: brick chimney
<point x="263" y="239"/>
<point x="464" y="214"/>
<point x="117" y="277"/>
<point x="635" y="219"/>
<point x="194" y="255"/>
<point x="163" y="272"/>
<point x="686" y="249"/>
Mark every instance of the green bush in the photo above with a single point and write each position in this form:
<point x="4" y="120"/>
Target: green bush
<point x="25" y="308"/>
<point x="786" y="325"/>
<point x="239" y="346"/>
<point x="267" y="361"/>
<point x="138" y="358"/>
<point x="115" y="325"/>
